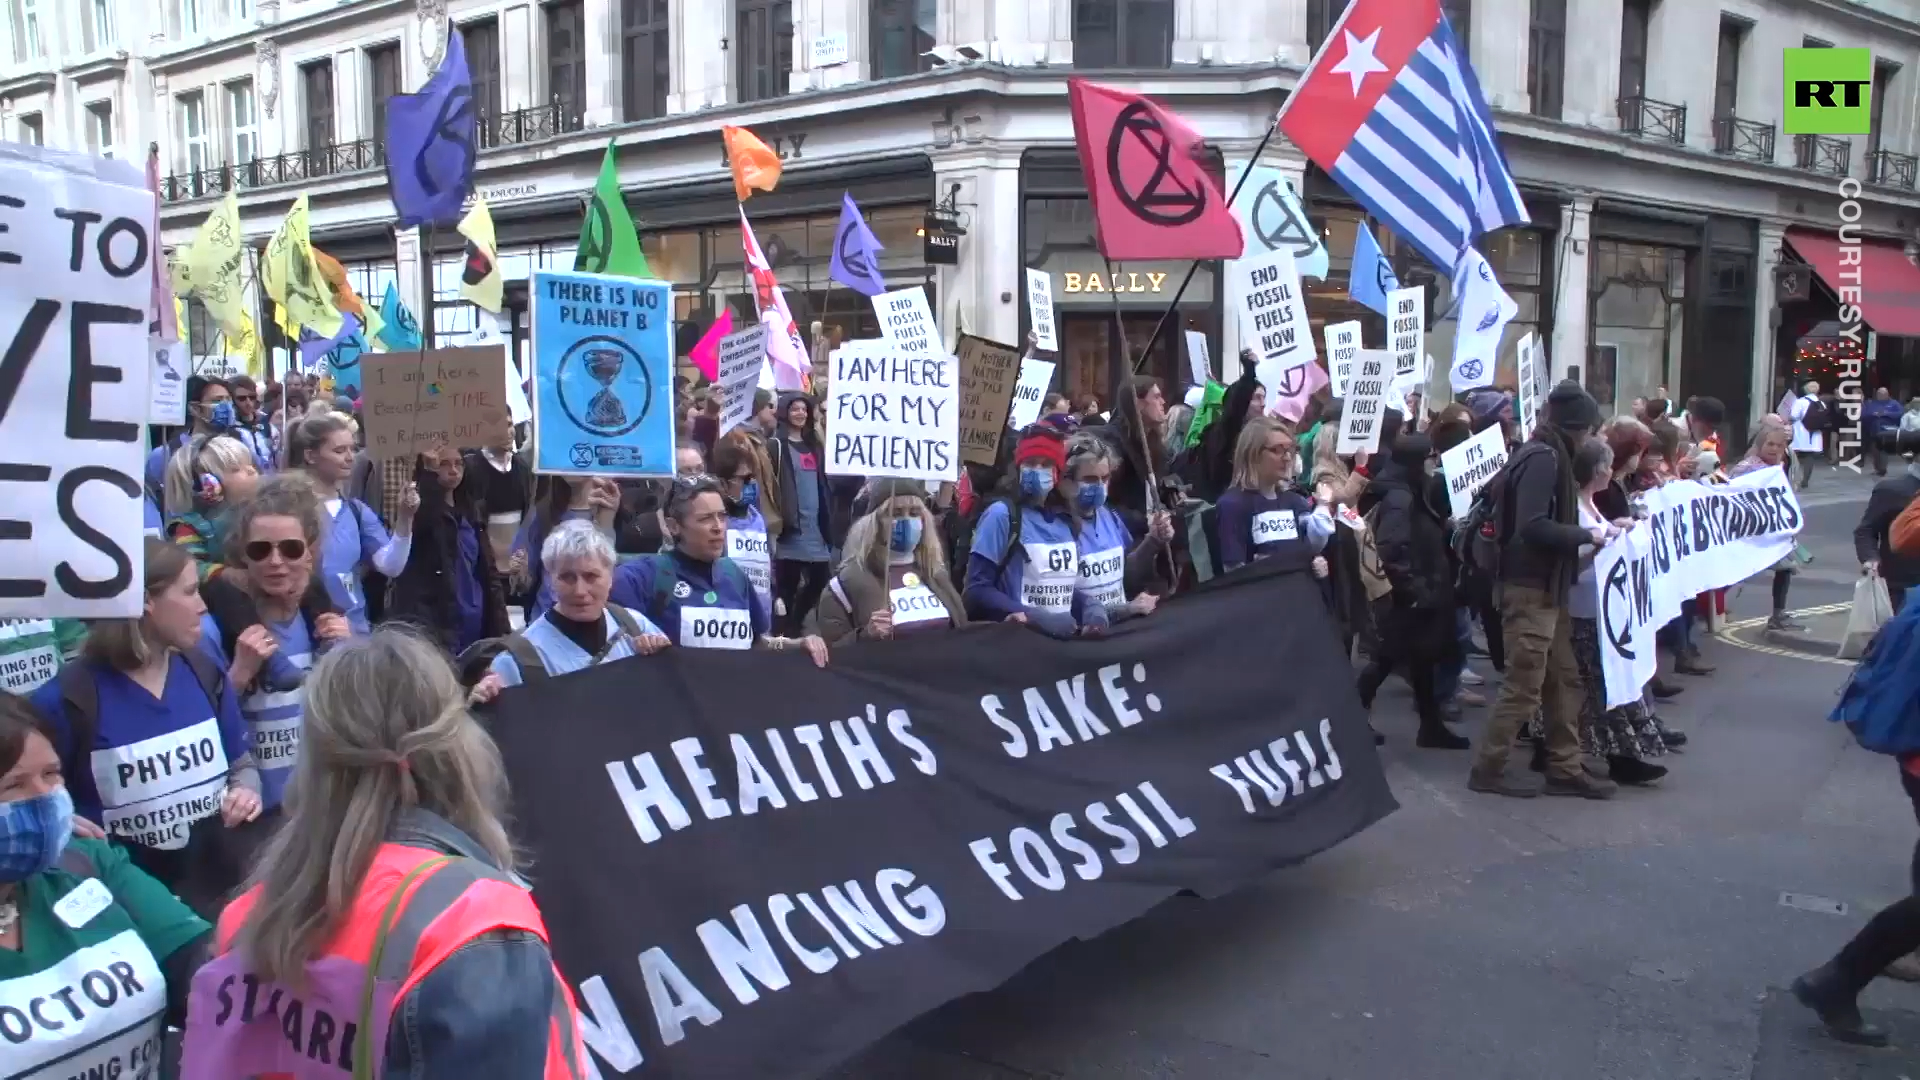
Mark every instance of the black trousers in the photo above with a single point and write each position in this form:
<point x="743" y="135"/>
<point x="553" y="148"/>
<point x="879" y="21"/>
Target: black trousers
<point x="1894" y="932"/>
<point x="1413" y="640"/>
<point x="798" y="584"/>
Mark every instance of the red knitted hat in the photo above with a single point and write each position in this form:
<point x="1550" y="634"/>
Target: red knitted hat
<point x="1044" y="443"/>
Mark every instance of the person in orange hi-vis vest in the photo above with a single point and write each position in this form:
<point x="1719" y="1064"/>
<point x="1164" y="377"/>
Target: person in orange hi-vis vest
<point x="432" y="961"/>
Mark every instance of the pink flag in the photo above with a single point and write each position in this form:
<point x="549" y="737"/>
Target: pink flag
<point x="1297" y="386"/>
<point x="706" y="353"/>
<point x="785" y="347"/>
<point x="162" y="313"/>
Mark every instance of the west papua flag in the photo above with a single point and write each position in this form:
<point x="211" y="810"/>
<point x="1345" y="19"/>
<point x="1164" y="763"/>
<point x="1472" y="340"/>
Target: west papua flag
<point x="1152" y="197"/>
<point x="1391" y="109"/>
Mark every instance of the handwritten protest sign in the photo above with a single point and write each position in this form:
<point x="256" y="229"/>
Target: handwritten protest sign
<point x="603" y="375"/>
<point x="740" y="357"/>
<point x="892" y="413"/>
<point x="1406" y="329"/>
<point x="1040" y="305"/>
<point x="1470" y="465"/>
<point x="413" y="402"/>
<point x="1273" y="310"/>
<point x="1365" y="403"/>
<point x="988" y="371"/>
<point x="1030" y="393"/>
<point x="75" y="383"/>
<point x="908" y="322"/>
<point x="1343" y="344"/>
<point x="171" y="362"/>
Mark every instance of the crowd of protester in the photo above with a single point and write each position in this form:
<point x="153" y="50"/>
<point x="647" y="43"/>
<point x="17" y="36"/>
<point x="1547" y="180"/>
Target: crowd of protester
<point x="319" y="629"/>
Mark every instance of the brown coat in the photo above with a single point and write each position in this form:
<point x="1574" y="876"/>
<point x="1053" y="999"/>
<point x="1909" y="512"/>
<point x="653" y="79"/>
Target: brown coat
<point x="854" y="594"/>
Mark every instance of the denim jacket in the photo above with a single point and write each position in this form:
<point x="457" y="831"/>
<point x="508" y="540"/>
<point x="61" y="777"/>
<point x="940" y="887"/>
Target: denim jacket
<point x="485" y="1010"/>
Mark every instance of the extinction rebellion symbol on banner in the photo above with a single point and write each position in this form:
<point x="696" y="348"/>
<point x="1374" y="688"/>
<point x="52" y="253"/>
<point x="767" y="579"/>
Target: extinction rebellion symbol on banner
<point x="1149" y="203"/>
<point x="1288" y="231"/>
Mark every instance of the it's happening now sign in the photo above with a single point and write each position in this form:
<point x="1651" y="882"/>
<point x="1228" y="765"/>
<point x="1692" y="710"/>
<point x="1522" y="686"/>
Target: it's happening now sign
<point x="603" y="375"/>
<point x="892" y="412"/>
<point x="76" y="298"/>
<point x="783" y="863"/>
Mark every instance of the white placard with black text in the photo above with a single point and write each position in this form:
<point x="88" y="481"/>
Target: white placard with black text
<point x="1273" y="310"/>
<point x="1199" y="364"/>
<point x="738" y="361"/>
<point x="1470" y="465"/>
<point x="907" y="321"/>
<point x="1366" y="402"/>
<point x="1343" y="344"/>
<point x="1030" y="393"/>
<point x="1040" y="307"/>
<point x="1526" y="376"/>
<point x="1406" y="328"/>
<point x="892" y="412"/>
<point x="172" y="363"/>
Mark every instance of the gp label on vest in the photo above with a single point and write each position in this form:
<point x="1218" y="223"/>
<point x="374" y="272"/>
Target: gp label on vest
<point x="1050" y="576"/>
<point x="715" y="628"/>
<point x="1103" y="577"/>
<point x="1275" y="525"/>
<point x="95" y="1013"/>
<point x="916" y="604"/>
<point x="152" y="790"/>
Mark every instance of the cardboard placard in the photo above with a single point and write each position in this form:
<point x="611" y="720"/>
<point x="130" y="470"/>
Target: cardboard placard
<point x="738" y="361"/>
<point x="1040" y="307"/>
<point x="1470" y="465"/>
<point x="1030" y="393"/>
<point x="413" y="402"/>
<point x="988" y="371"/>
<point x="907" y="321"/>
<point x="892" y="413"/>
<point x="1199" y="364"/>
<point x="1406" y="328"/>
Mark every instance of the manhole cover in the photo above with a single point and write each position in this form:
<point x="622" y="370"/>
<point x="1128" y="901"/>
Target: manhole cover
<point x="1806" y="902"/>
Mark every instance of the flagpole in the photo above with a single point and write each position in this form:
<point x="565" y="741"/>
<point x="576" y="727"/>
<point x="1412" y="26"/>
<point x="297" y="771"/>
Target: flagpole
<point x="1138" y="424"/>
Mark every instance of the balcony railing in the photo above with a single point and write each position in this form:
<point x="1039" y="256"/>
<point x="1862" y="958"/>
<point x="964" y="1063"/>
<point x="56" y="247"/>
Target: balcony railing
<point x="1820" y="154"/>
<point x="1749" y="140"/>
<point x="294" y="166"/>
<point x="1888" y="169"/>
<point x="1652" y="119"/>
<point x="536" y="124"/>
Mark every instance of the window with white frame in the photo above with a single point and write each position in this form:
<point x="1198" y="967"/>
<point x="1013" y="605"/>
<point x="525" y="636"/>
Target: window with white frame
<point x="100" y="129"/>
<point x="30" y="45"/>
<point x="189" y="17"/>
<point x="243" y="121"/>
<point x="240" y="11"/>
<point x="193" y="132"/>
<point x="100" y="24"/>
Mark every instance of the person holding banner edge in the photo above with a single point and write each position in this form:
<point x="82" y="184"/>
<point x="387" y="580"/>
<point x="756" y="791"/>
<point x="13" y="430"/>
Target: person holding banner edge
<point x="893" y="580"/>
<point x="1114" y="571"/>
<point x="580" y="630"/>
<point x="1023" y="566"/>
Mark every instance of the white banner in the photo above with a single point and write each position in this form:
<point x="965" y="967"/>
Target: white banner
<point x="76" y="294"/>
<point x="1470" y="465"/>
<point x="1273" y="310"/>
<point x="1029" y="393"/>
<point x="1696" y="538"/>
<point x="738" y="362"/>
<point x="1343" y="344"/>
<point x="1040" y="305"/>
<point x="1365" y="407"/>
<point x="893" y="413"/>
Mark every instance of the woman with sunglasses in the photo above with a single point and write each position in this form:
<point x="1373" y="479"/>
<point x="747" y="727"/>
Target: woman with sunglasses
<point x="698" y="596"/>
<point x="747" y="541"/>
<point x="1024" y="566"/>
<point x="353" y="538"/>
<point x="205" y="481"/>
<point x="268" y="619"/>
<point x="449" y="588"/>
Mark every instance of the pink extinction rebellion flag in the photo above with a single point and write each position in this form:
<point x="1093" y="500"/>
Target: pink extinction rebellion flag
<point x="706" y="352"/>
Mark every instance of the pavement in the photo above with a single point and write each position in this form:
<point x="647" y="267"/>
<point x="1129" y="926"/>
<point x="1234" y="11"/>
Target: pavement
<point x="1471" y="937"/>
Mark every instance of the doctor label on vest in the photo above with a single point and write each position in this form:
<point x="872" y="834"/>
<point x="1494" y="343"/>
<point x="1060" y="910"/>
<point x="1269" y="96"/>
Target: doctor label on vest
<point x="696" y="519"/>
<point x="900" y="546"/>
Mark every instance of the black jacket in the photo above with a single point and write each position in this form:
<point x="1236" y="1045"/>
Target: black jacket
<point x="1890" y="496"/>
<point x="1411" y="531"/>
<point x="833" y="527"/>
<point x="423" y="594"/>
<point x="1542" y="534"/>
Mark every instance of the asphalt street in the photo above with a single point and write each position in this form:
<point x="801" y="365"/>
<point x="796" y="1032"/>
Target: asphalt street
<point x="1474" y="937"/>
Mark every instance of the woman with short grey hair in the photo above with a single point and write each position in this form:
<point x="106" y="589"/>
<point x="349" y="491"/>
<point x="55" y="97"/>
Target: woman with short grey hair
<point x="581" y="629"/>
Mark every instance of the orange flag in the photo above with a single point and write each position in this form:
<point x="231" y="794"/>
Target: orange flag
<point x="344" y="298"/>
<point x="755" y="166"/>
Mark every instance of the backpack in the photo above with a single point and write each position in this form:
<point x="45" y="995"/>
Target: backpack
<point x="1880" y="703"/>
<point x="1479" y="538"/>
<point x="527" y="658"/>
<point x="1817" y="417"/>
<point x="80" y="697"/>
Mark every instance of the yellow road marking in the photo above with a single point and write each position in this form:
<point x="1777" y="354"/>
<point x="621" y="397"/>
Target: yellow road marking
<point x="1726" y="634"/>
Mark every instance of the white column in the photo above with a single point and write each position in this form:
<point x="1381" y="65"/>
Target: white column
<point x="604" y="74"/>
<point x="1592" y="69"/>
<point x="522" y="81"/>
<point x="1500" y="51"/>
<point x="1760" y="377"/>
<point x="701" y="68"/>
<point x="983" y="293"/>
<point x="1570" y="302"/>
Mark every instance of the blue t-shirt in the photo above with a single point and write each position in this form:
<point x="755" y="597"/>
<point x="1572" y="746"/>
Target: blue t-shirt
<point x="157" y="464"/>
<point x="1041" y="573"/>
<point x="469" y="596"/>
<point x="157" y="765"/>
<point x="273" y="706"/>
<point x="809" y="545"/>
<point x="150" y="521"/>
<point x="748" y="547"/>
<point x="351" y="538"/>
<point x="708" y="606"/>
<point x="1104" y="542"/>
<point x="1256" y="526"/>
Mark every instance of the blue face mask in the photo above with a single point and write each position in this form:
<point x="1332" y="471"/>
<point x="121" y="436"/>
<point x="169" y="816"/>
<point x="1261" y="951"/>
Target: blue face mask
<point x="1035" y="483"/>
<point x="906" y="534"/>
<point x="1092" y="495"/>
<point x="221" y="416"/>
<point x="33" y="833"/>
<point x="750" y="493"/>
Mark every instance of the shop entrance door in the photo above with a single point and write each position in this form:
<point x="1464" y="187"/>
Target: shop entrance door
<point x="1090" y="352"/>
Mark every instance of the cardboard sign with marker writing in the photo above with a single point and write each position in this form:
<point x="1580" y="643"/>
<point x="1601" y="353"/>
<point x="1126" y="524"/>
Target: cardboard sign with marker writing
<point x="413" y="402"/>
<point x="988" y="371"/>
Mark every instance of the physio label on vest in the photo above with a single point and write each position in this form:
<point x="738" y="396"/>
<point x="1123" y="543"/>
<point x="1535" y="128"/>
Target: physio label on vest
<point x="715" y="628"/>
<point x="1103" y="578"/>
<point x="276" y="743"/>
<point x="914" y="604"/>
<point x="1274" y="525"/>
<point x="152" y="790"/>
<point x="751" y="551"/>
<point x="1051" y="574"/>
<point x="95" y="1013"/>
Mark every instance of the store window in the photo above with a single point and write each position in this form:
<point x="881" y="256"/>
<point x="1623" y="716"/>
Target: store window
<point x="1122" y="33"/>
<point x="1639" y="296"/>
<point x="800" y="250"/>
<point x="903" y="32"/>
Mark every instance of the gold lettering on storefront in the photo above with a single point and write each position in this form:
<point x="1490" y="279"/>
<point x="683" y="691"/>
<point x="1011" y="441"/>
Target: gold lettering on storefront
<point x="1128" y="282"/>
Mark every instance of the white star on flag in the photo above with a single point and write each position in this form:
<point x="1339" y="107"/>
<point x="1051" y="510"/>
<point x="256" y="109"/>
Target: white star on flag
<point x="1359" y="61"/>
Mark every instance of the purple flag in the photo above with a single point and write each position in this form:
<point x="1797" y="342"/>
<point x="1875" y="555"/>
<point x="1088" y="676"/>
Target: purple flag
<point x="341" y="352"/>
<point x="856" y="254"/>
<point x="431" y="138"/>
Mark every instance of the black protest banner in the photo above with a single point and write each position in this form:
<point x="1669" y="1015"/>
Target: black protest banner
<point x="754" y="868"/>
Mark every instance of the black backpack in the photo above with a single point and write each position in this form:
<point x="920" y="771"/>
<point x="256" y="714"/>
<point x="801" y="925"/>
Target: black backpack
<point x="80" y="697"/>
<point x="1479" y="538"/>
<point x="1817" y="416"/>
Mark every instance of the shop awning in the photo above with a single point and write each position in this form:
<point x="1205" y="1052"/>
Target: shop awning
<point x="1889" y="283"/>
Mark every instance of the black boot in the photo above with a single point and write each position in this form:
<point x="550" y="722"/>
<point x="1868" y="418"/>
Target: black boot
<point x="1539" y="761"/>
<point x="1435" y="736"/>
<point x="1632" y="770"/>
<point x="1819" y="990"/>
<point x="1662" y="689"/>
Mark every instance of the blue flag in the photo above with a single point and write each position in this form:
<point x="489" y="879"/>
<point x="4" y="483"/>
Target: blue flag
<point x="401" y="332"/>
<point x="431" y="139"/>
<point x="339" y="354"/>
<point x="1371" y="277"/>
<point x="856" y="253"/>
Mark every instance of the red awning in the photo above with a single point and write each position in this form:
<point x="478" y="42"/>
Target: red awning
<point x="1889" y="283"/>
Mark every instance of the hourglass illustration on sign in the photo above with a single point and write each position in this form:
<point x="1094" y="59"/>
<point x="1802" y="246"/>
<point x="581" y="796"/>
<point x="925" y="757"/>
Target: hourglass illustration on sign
<point x="604" y="409"/>
<point x="621" y="391"/>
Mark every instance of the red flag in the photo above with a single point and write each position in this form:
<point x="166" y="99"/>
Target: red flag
<point x="1152" y="198"/>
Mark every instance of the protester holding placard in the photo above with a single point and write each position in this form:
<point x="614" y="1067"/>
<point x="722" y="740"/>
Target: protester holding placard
<point x="1261" y="515"/>
<point x="801" y="557"/>
<point x="143" y="696"/>
<point x="449" y="586"/>
<point x="736" y="463"/>
<point x="1771" y="440"/>
<point x="355" y="539"/>
<point x="1113" y="569"/>
<point x="1138" y="435"/>
<point x="207" y="480"/>
<point x="893" y="581"/>
<point x="504" y="482"/>
<point x="699" y="597"/>
<point x="1024" y="565"/>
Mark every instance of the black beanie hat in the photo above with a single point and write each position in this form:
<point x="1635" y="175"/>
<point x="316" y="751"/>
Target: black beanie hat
<point x="1570" y="408"/>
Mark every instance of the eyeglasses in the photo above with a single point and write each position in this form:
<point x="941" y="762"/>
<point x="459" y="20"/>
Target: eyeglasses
<point x="260" y="550"/>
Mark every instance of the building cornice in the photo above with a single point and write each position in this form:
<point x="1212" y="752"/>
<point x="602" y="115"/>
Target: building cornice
<point x="170" y="56"/>
<point x="28" y="82"/>
<point x="1855" y="12"/>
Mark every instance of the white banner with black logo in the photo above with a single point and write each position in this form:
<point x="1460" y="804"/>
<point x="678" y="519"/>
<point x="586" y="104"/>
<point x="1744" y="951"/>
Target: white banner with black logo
<point x="1696" y="538"/>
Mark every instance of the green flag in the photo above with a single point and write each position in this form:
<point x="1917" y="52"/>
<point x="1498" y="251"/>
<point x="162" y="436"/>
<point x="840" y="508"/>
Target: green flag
<point x="608" y="242"/>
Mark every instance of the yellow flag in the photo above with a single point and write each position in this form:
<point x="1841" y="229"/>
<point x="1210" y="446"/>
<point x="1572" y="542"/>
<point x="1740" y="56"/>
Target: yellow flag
<point x="292" y="277"/>
<point x="180" y="320"/>
<point x="211" y="266"/>
<point x="479" y="274"/>
<point x="243" y="347"/>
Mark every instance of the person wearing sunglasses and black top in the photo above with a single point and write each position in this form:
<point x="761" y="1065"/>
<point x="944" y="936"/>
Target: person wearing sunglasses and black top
<point x="700" y="598"/>
<point x="269" y="618"/>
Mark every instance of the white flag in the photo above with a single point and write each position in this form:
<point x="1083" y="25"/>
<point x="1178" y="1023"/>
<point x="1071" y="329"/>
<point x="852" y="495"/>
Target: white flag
<point x="1485" y="309"/>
